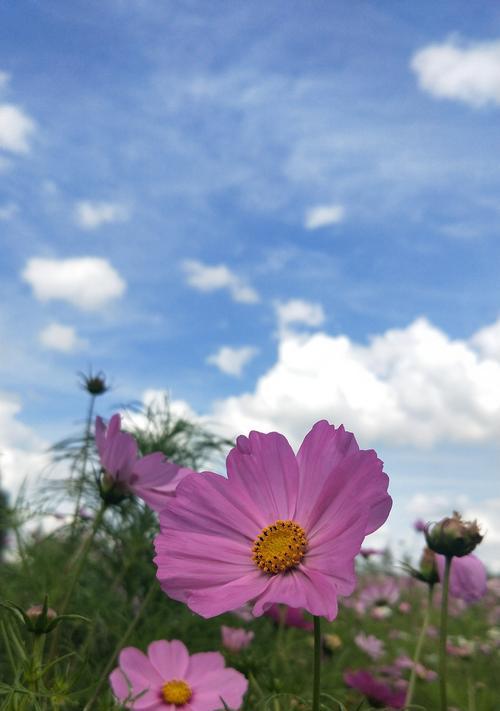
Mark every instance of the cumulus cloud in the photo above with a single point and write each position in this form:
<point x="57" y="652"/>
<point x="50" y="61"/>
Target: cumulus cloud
<point x="409" y="386"/>
<point x="22" y="452"/>
<point x="16" y="129"/>
<point x="465" y="72"/>
<point x="232" y="361"/>
<point x="323" y="216"/>
<point x="206" y="278"/>
<point x="85" y="282"/>
<point x="297" y="311"/>
<point x="61" y="338"/>
<point x="91" y="215"/>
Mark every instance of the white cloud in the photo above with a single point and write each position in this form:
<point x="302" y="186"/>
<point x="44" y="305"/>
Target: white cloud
<point x="487" y="340"/>
<point x="8" y="211"/>
<point x="62" y="338"/>
<point x="297" y="311"/>
<point x="213" y="278"/>
<point x="232" y="360"/>
<point x="466" y="72"/>
<point x="85" y="282"/>
<point x="91" y="215"/>
<point x="409" y="386"/>
<point x="323" y="215"/>
<point x="16" y="129"/>
<point x="22" y="452"/>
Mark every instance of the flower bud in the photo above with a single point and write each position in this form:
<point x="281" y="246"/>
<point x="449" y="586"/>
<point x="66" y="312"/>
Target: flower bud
<point x="427" y="570"/>
<point x="453" y="536"/>
<point x="94" y="384"/>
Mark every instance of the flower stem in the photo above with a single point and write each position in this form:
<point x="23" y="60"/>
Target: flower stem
<point x="418" y="648"/>
<point x="85" y="456"/>
<point x="77" y="569"/>
<point x="103" y="678"/>
<point x="444" y="635"/>
<point x="317" y="663"/>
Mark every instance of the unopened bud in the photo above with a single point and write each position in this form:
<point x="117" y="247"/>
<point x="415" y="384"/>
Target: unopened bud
<point x="453" y="536"/>
<point x="94" y="384"/>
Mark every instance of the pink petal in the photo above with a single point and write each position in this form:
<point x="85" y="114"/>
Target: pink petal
<point x="100" y="434"/>
<point x="217" y="599"/>
<point x="265" y="468"/>
<point x="227" y="684"/>
<point x="203" y="664"/>
<point x="138" y="669"/>
<point x="323" y="448"/>
<point x="119" y="684"/>
<point x="207" y="503"/>
<point x="301" y="587"/>
<point x="468" y="577"/>
<point x="170" y="659"/>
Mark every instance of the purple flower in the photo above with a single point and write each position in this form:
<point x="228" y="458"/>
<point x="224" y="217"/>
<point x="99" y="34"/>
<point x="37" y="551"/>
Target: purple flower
<point x="377" y="692"/>
<point x="468" y="579"/>
<point x="420" y="525"/>
<point x="236" y="638"/>
<point x="152" y="478"/>
<point x="292" y="617"/>
<point x="281" y="528"/>
<point x="370" y="644"/>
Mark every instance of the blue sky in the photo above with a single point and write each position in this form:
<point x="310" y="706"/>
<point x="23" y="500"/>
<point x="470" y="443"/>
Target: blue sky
<point x="286" y="182"/>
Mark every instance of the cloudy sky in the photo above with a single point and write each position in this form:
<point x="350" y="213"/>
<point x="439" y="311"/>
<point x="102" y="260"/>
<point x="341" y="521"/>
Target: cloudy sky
<point x="277" y="213"/>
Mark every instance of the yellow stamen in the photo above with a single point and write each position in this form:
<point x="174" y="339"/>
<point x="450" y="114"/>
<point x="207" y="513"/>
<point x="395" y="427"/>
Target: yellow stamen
<point x="176" y="692"/>
<point x="279" y="547"/>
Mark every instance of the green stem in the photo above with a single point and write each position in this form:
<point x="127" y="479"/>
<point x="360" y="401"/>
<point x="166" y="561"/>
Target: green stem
<point x="471" y="692"/>
<point x="418" y="648"/>
<point x="85" y="456"/>
<point x="444" y="636"/>
<point x="107" y="669"/>
<point x="317" y="663"/>
<point x="77" y="569"/>
<point x="37" y="662"/>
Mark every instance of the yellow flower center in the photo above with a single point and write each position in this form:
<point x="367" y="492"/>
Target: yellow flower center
<point x="279" y="547"/>
<point x="176" y="692"/>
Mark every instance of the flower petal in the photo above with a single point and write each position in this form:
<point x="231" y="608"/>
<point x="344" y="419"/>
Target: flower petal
<point x="170" y="659"/>
<point x="265" y="468"/>
<point x="227" y="684"/>
<point x="301" y="587"/>
<point x="217" y="599"/>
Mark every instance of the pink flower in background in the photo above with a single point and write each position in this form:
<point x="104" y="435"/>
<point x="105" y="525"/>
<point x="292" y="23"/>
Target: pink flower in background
<point x="370" y="644"/>
<point x="282" y="528"/>
<point x="236" y="638"/>
<point x="376" y="691"/>
<point x="369" y="552"/>
<point x="419" y="525"/>
<point x="152" y="478"/>
<point x="404" y="662"/>
<point x="172" y="679"/>
<point x="292" y="616"/>
<point x="468" y="577"/>
<point x="379" y="598"/>
<point x="404" y="607"/>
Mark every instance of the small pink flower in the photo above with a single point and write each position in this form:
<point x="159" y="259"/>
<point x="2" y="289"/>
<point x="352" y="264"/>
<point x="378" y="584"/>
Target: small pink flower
<point x="290" y="616"/>
<point x="369" y="552"/>
<point x="468" y="578"/>
<point x="152" y="478"/>
<point x="236" y="638"/>
<point x="370" y="644"/>
<point x="168" y="678"/>
<point x="376" y="691"/>
<point x="419" y="525"/>
<point x="404" y="607"/>
<point x="281" y="528"/>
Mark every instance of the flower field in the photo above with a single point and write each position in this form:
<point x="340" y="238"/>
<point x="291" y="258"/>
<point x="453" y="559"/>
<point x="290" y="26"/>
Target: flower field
<point x="162" y="587"/>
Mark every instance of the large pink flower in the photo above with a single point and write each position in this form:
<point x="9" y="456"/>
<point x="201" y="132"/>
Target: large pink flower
<point x="153" y="478"/>
<point x="168" y="679"/>
<point x="468" y="577"/>
<point x="281" y="528"/>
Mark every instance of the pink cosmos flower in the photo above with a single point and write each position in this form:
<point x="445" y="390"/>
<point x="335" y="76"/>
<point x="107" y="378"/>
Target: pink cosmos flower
<point x="236" y="638"/>
<point x="376" y="691"/>
<point x="370" y="645"/>
<point x="419" y="525"/>
<point x="168" y="679"/>
<point x="378" y="598"/>
<point x="281" y="528"/>
<point x="368" y="552"/>
<point x="152" y="478"/>
<point x="468" y="578"/>
<point x="293" y="616"/>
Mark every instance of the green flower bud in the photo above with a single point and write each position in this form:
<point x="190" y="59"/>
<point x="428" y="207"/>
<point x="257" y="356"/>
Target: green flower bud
<point x="453" y="536"/>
